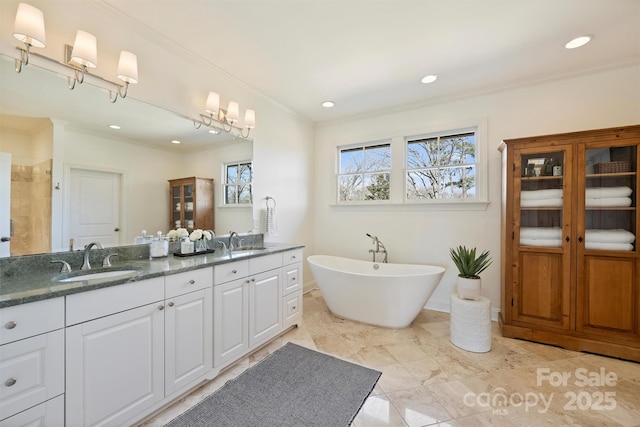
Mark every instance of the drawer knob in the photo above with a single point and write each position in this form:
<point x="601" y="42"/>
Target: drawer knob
<point x="234" y="271"/>
<point x="294" y="307"/>
<point x="247" y="281"/>
<point x="293" y="257"/>
<point x="161" y="307"/>
<point x="171" y="304"/>
<point x="293" y="279"/>
<point x="191" y="282"/>
<point x="10" y="382"/>
<point x="10" y="325"/>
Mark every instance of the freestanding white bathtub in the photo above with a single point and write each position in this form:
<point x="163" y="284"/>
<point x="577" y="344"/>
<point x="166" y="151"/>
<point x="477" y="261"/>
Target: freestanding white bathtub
<point x="389" y="295"/>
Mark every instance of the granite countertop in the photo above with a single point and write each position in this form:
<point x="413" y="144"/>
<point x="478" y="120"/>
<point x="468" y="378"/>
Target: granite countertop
<point x="20" y="287"/>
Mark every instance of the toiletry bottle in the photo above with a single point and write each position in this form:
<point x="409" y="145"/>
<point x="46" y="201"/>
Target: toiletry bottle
<point x="141" y="239"/>
<point x="159" y="246"/>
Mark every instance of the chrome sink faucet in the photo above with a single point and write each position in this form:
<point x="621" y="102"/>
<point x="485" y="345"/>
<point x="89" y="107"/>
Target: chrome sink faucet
<point x="85" y="262"/>
<point x="232" y="234"/>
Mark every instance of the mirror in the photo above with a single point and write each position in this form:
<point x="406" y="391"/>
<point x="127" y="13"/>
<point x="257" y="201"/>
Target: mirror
<point x="51" y="132"/>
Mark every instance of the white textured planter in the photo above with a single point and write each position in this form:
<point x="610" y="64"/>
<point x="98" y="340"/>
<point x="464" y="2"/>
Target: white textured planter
<point x="469" y="288"/>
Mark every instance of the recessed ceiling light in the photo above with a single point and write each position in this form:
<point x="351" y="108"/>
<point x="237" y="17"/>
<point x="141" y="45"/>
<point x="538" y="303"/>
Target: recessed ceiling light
<point x="175" y="141"/>
<point x="579" y="41"/>
<point x="114" y="126"/>
<point x="328" y="104"/>
<point x="429" y="78"/>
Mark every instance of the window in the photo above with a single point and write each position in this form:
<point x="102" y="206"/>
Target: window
<point x="441" y="167"/>
<point x="238" y="183"/>
<point x="364" y="172"/>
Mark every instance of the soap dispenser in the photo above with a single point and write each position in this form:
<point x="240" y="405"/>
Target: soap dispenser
<point x="141" y="239"/>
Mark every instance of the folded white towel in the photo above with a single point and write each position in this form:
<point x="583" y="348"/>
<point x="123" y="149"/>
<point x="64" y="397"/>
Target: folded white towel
<point x="540" y="233"/>
<point x="552" y="243"/>
<point x="271" y="225"/>
<point x="610" y="202"/>
<point x="542" y="194"/>
<point x="541" y="203"/>
<point x="607" y="192"/>
<point x="608" y="236"/>
<point x="609" y="246"/>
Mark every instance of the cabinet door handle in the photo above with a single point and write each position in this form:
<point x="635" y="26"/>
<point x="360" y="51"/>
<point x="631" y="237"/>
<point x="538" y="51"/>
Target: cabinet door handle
<point x="191" y="282"/>
<point x="247" y="281"/>
<point x="171" y="304"/>
<point x="580" y="239"/>
<point x="253" y="280"/>
<point x="10" y="325"/>
<point x="161" y="307"/>
<point x="567" y="239"/>
<point x="10" y="382"/>
<point x="234" y="271"/>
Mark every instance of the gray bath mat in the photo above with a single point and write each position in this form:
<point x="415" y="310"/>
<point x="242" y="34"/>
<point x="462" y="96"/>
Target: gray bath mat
<point x="294" y="386"/>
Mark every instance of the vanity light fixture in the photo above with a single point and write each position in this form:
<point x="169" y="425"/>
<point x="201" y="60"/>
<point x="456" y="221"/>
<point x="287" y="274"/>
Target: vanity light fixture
<point x="227" y="120"/>
<point x="29" y="29"/>
<point x="579" y="41"/>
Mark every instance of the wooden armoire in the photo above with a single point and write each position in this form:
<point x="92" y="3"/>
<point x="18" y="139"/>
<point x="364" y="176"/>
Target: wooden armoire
<point x="570" y="261"/>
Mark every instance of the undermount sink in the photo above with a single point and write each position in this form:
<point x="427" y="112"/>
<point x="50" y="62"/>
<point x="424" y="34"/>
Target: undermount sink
<point x="111" y="274"/>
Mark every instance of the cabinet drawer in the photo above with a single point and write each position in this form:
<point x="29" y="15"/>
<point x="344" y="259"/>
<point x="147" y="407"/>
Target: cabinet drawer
<point x="103" y="302"/>
<point x="32" y="371"/>
<point x="18" y="321"/>
<point x="291" y="257"/>
<point x="231" y="271"/>
<point x="49" y="413"/>
<point x="189" y="281"/>
<point x="291" y="278"/>
<point x="292" y="309"/>
<point x="264" y="263"/>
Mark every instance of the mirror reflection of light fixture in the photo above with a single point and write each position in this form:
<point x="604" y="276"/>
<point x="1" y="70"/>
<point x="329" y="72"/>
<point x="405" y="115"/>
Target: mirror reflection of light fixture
<point x="29" y="29"/>
<point x="220" y="120"/>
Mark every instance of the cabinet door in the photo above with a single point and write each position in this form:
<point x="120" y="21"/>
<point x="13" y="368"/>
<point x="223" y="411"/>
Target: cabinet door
<point x="607" y="291"/>
<point x="188" y="338"/>
<point x="264" y="306"/>
<point x="542" y="239"/>
<point x="231" y="321"/>
<point x="115" y="366"/>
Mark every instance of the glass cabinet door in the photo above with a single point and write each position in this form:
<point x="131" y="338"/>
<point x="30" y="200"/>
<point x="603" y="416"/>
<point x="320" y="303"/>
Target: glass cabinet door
<point x="542" y="199"/>
<point x="176" y="207"/>
<point x="610" y="198"/>
<point x="542" y="236"/>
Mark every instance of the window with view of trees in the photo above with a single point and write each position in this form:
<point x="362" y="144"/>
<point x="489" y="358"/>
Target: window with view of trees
<point x="364" y="172"/>
<point x="441" y="167"/>
<point x="238" y="183"/>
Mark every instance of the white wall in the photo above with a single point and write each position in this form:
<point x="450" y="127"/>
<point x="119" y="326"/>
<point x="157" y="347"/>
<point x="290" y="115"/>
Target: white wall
<point x="602" y="99"/>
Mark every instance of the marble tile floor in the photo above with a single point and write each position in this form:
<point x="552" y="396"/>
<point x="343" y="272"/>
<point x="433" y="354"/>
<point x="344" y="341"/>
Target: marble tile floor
<point x="427" y="381"/>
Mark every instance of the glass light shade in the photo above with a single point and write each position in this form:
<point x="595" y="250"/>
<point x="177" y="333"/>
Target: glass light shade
<point x="250" y="119"/>
<point x="213" y="103"/>
<point x="128" y="67"/>
<point x="29" y="25"/>
<point x="84" y="50"/>
<point x="233" y="114"/>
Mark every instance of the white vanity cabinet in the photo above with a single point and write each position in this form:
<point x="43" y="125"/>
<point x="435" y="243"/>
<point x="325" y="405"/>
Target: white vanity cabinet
<point x="247" y="306"/>
<point x="159" y="342"/>
<point x="292" y="288"/>
<point x="115" y="363"/>
<point x="188" y="328"/>
<point x="32" y="363"/>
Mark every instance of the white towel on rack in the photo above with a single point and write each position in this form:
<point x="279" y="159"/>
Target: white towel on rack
<point x="271" y="225"/>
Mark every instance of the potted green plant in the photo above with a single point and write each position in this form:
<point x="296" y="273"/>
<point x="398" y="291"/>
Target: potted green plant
<point x="469" y="267"/>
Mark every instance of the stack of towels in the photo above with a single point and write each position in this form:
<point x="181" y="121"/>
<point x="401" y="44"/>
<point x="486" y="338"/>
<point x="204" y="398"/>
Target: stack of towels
<point x="608" y="240"/>
<point x="599" y="197"/>
<point x="551" y="198"/>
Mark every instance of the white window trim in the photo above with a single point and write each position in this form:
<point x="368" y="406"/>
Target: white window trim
<point x="223" y="183"/>
<point x="398" y="201"/>
<point x="374" y="143"/>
